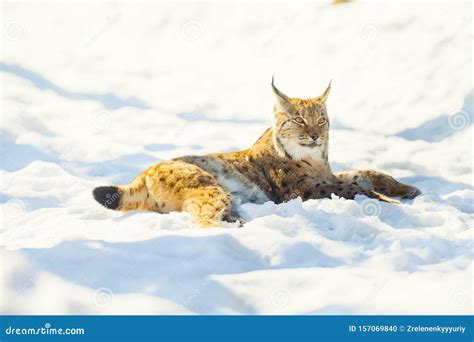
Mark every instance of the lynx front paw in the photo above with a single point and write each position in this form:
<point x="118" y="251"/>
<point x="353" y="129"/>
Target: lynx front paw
<point x="412" y="193"/>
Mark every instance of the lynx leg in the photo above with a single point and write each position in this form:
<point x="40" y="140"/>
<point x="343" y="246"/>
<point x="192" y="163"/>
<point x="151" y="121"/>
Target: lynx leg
<point x="209" y="205"/>
<point x="341" y="189"/>
<point x="378" y="182"/>
<point x="179" y="186"/>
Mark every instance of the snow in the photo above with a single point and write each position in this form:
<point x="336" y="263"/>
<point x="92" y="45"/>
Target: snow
<point x="98" y="92"/>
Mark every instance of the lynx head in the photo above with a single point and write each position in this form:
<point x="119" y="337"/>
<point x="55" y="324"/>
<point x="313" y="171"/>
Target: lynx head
<point x="301" y="127"/>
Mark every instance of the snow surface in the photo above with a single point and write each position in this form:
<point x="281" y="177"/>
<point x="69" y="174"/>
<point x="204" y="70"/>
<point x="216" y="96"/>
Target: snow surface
<point x="94" y="93"/>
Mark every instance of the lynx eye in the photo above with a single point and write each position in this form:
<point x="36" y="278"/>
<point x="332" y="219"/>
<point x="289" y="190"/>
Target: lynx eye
<point x="322" y="121"/>
<point x="298" y="120"/>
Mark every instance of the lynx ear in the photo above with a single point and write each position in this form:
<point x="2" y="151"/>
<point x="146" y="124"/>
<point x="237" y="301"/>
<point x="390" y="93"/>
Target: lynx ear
<point x="282" y="99"/>
<point x="324" y="97"/>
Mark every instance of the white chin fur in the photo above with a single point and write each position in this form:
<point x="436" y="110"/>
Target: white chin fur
<point x="299" y="152"/>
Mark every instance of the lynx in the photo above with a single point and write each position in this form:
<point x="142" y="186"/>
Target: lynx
<point x="289" y="160"/>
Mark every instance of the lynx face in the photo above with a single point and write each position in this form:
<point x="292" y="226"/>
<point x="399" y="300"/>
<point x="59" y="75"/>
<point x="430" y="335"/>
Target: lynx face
<point x="301" y="128"/>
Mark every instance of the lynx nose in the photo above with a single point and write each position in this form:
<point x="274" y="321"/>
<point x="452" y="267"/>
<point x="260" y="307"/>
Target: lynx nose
<point x="314" y="137"/>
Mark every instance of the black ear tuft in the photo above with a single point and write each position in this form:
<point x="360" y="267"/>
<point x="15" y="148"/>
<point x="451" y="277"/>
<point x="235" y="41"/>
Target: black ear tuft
<point x="108" y="196"/>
